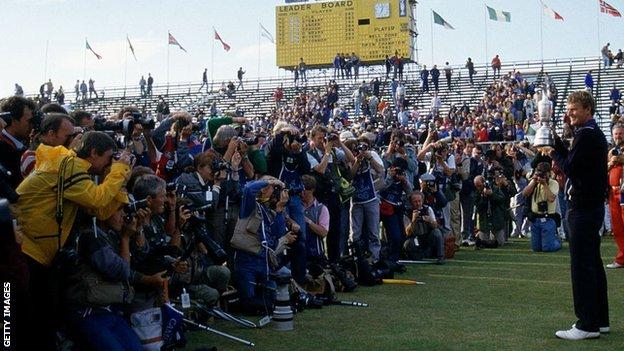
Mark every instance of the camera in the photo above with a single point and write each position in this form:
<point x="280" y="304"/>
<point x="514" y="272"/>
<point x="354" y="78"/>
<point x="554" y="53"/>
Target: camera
<point x="219" y="165"/>
<point x="616" y="152"/>
<point x="132" y="208"/>
<point x="215" y="251"/>
<point x="362" y="147"/>
<point x="542" y="206"/>
<point x="124" y="126"/>
<point x="182" y="123"/>
<point x="171" y="187"/>
<point x="138" y="118"/>
<point x="250" y="140"/>
<point x="331" y="137"/>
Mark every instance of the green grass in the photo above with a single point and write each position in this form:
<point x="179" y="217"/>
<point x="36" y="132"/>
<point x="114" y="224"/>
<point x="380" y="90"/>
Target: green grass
<point x="501" y="299"/>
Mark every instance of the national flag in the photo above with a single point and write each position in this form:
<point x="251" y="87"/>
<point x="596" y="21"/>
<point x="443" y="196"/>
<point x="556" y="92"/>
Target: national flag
<point x="131" y="48"/>
<point x="437" y="19"/>
<point x="226" y="47"/>
<point x="550" y="12"/>
<point x="608" y="9"/>
<point x="498" y="15"/>
<point x="173" y="41"/>
<point x="265" y="33"/>
<point x="94" y="53"/>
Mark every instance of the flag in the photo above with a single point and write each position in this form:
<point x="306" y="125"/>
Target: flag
<point x="131" y="48"/>
<point x="608" y="9"/>
<point x="265" y="33"/>
<point x="550" y="12"/>
<point x="173" y="41"/>
<point x="94" y="53"/>
<point x="226" y="47"/>
<point x="498" y="15"/>
<point x="437" y="19"/>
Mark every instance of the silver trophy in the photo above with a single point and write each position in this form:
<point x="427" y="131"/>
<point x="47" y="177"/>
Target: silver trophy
<point x="544" y="135"/>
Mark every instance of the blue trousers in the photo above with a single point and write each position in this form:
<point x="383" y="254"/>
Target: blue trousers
<point x="103" y="331"/>
<point x="251" y="272"/>
<point x="394" y="233"/>
<point x="297" y="252"/>
<point x="544" y="235"/>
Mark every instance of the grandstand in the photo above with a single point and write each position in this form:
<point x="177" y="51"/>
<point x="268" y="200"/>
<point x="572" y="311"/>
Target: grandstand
<point x="257" y="99"/>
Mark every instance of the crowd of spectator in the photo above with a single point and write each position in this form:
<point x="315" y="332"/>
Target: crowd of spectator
<point x="173" y="204"/>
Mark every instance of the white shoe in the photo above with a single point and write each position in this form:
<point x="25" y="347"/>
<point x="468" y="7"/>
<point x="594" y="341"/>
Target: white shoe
<point x="576" y="334"/>
<point x="603" y="330"/>
<point x="614" y="265"/>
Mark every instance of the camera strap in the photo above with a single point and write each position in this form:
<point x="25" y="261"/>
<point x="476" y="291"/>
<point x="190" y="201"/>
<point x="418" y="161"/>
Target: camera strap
<point x="60" y="190"/>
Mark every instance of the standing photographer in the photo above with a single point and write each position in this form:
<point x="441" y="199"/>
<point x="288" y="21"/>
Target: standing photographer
<point x="543" y="191"/>
<point x="616" y="184"/>
<point x="391" y="207"/>
<point x="288" y="163"/>
<point x="19" y="115"/>
<point x="259" y="237"/>
<point x="44" y="233"/>
<point x="365" y="204"/>
<point x="180" y="147"/>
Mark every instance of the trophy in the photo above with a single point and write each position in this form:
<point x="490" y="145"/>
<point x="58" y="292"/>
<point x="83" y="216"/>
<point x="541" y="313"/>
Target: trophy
<point x="544" y="135"/>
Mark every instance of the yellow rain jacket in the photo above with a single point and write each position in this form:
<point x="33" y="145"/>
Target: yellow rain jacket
<point x="36" y="207"/>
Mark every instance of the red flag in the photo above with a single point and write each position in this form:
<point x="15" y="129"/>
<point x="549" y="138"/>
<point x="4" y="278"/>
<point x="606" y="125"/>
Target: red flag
<point x="173" y="41"/>
<point x="552" y="13"/>
<point x="226" y="47"/>
<point x="608" y="9"/>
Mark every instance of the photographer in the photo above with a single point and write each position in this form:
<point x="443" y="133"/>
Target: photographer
<point x="56" y="130"/>
<point x="259" y="237"/>
<point x="288" y="162"/>
<point x="365" y="204"/>
<point x="327" y="152"/>
<point x="19" y="115"/>
<point x="423" y="233"/>
<point x="398" y="148"/>
<point x="490" y="207"/>
<point x="162" y="229"/>
<point x="91" y="307"/>
<point x="44" y="233"/>
<point x="433" y="197"/>
<point x="317" y="221"/>
<point x="140" y="139"/>
<point x="543" y="191"/>
<point x="179" y="148"/>
<point x="391" y="207"/>
<point x="616" y="187"/>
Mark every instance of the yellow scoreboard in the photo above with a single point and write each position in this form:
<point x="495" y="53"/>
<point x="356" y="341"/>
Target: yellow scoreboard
<point x="318" y="31"/>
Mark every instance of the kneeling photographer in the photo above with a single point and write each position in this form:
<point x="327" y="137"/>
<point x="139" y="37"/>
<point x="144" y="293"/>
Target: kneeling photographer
<point x="542" y="190"/>
<point x="424" y="238"/>
<point x="260" y="235"/>
<point x="100" y="281"/>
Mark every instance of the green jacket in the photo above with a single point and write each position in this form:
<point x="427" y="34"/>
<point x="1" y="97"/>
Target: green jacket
<point x="492" y="217"/>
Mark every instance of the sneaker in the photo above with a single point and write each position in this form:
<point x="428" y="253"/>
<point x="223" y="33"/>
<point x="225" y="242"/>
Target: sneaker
<point x="614" y="265"/>
<point x="576" y="334"/>
<point x="603" y="330"/>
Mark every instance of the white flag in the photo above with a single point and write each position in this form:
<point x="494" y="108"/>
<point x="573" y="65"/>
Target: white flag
<point x="265" y="33"/>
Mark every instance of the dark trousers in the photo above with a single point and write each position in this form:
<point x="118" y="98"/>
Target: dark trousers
<point x="42" y="311"/>
<point x="589" y="282"/>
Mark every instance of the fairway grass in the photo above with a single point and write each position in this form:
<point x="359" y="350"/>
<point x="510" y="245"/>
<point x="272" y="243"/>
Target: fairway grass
<point x="499" y="299"/>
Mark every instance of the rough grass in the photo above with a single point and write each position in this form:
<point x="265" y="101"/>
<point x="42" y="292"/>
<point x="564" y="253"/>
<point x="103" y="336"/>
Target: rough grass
<point x="500" y="299"/>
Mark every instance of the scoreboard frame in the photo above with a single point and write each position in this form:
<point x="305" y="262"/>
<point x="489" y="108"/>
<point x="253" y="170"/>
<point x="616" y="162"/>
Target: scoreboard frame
<point x="318" y="31"/>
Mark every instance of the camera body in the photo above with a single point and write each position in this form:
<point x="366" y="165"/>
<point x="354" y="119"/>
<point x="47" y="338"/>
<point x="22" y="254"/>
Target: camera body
<point x="132" y="208"/>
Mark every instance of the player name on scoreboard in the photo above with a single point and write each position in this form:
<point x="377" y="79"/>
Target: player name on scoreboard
<point x="317" y="32"/>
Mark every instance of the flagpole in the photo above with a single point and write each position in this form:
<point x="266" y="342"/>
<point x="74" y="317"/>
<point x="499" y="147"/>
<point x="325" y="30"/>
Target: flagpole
<point x="486" y="48"/>
<point x="258" y="86"/>
<point x="432" y="38"/>
<point x="84" y="66"/>
<point x="542" y="32"/>
<point x="45" y="69"/>
<point x="126" y="67"/>
<point x="168" y="47"/>
<point x="214" y="31"/>
<point x="598" y="28"/>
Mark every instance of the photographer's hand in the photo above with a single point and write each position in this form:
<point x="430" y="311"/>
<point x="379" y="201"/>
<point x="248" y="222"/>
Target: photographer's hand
<point x="180" y="266"/>
<point x="126" y="158"/>
<point x="155" y="280"/>
<point x="236" y="160"/>
<point x="183" y="215"/>
<point x="75" y="143"/>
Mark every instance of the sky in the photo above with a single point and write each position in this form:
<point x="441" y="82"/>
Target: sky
<point x="29" y="26"/>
